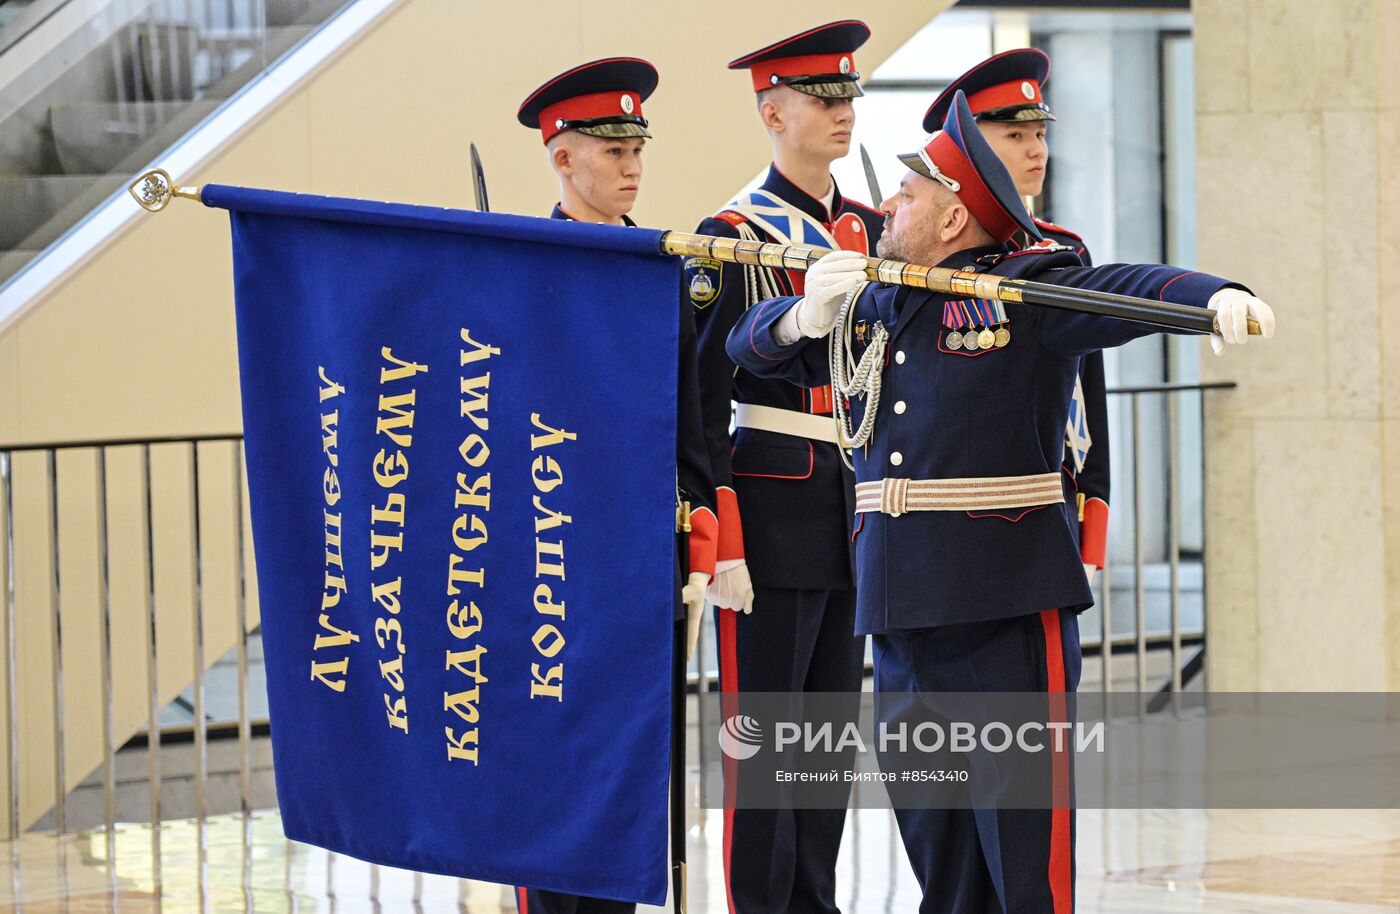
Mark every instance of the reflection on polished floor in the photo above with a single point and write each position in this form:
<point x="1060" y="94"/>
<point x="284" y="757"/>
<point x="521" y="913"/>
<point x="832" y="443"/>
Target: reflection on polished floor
<point x="1237" y="861"/>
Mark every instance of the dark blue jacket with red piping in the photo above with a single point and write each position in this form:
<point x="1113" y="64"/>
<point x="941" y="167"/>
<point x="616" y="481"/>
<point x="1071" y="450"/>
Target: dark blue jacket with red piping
<point x="997" y="412"/>
<point x="794" y="494"/>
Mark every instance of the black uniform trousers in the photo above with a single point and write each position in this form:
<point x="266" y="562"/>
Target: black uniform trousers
<point x="784" y="860"/>
<point x="987" y="860"/>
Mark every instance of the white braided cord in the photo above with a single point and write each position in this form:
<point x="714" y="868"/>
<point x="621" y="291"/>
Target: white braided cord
<point x="862" y="383"/>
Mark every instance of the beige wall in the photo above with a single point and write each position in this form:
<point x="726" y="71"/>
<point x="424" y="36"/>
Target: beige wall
<point x="140" y="340"/>
<point x="1297" y="124"/>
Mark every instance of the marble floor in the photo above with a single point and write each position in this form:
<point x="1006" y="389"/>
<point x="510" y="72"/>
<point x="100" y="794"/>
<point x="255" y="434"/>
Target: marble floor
<point x="1242" y="862"/>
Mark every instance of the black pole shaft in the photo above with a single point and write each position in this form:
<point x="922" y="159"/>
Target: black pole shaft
<point x="1141" y="310"/>
<point x="678" y="690"/>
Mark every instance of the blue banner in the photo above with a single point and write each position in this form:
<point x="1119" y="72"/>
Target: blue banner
<point x="460" y="434"/>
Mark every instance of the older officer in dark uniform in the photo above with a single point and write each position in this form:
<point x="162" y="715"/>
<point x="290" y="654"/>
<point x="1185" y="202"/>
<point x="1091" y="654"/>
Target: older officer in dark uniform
<point x="591" y="120"/>
<point x="969" y="576"/>
<point x="1004" y="94"/>
<point x="784" y="494"/>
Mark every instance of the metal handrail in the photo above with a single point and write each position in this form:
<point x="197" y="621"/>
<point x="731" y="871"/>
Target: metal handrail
<point x="118" y="442"/>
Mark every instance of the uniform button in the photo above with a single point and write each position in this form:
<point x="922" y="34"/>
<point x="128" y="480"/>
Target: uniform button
<point x="855" y="227"/>
<point x="899" y="357"/>
<point x="896" y="458"/>
<point x="899" y="408"/>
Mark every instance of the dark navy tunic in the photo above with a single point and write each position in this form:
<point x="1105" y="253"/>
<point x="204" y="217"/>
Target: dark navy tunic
<point x="991" y="413"/>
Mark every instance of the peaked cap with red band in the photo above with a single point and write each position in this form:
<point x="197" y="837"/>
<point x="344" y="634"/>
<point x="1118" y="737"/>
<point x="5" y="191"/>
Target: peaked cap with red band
<point x="1006" y="87"/>
<point x="602" y="98"/>
<point x="819" y="61"/>
<point x="959" y="158"/>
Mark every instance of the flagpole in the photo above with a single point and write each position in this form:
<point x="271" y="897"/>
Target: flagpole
<point x="952" y="282"/>
<point x="155" y="189"/>
<point x="679" y="642"/>
<point x="678" y="686"/>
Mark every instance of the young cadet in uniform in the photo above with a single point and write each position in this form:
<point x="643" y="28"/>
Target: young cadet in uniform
<point x="968" y="576"/>
<point x="592" y="124"/>
<point x="784" y="494"/>
<point x="1004" y="95"/>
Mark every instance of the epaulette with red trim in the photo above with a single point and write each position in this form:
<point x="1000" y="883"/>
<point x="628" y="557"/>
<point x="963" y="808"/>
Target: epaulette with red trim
<point x="1040" y="247"/>
<point x="1059" y="228"/>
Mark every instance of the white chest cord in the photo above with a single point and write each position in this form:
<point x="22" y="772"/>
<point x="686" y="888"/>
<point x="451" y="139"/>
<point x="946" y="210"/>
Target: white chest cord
<point x="863" y="382"/>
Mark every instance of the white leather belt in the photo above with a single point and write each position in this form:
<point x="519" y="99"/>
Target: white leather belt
<point x="785" y="422"/>
<point x="979" y="493"/>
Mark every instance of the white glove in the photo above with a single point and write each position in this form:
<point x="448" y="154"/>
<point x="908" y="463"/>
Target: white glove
<point x="731" y="588"/>
<point x="1089" y="571"/>
<point x="693" y="596"/>
<point x="1235" y="307"/>
<point x="828" y="282"/>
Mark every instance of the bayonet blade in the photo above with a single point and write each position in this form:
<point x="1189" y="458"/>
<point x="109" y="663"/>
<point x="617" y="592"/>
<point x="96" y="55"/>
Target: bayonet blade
<point x="875" y="198"/>
<point x="479" y="182"/>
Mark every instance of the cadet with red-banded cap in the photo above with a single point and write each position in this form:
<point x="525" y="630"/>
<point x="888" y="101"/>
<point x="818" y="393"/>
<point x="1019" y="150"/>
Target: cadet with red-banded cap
<point x="591" y="120"/>
<point x="1004" y="94"/>
<point x="784" y="585"/>
<point x="968" y="576"/>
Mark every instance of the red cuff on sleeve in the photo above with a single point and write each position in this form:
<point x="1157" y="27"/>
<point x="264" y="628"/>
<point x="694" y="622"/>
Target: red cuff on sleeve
<point x="731" y="531"/>
<point x="702" y="541"/>
<point x="1093" y="532"/>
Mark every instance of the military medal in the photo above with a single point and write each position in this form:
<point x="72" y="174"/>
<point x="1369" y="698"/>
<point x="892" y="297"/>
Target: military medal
<point x="985" y="337"/>
<point x="1002" y="334"/>
<point x="953" y="318"/>
<point x="969" y="336"/>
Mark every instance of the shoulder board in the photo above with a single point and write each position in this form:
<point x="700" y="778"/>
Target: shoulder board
<point x="1060" y="229"/>
<point x="733" y="218"/>
<point x="1044" y="247"/>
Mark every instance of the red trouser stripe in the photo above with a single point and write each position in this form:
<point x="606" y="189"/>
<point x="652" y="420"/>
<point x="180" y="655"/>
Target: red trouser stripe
<point x="729" y="704"/>
<point x="1061" y="853"/>
<point x="522" y="900"/>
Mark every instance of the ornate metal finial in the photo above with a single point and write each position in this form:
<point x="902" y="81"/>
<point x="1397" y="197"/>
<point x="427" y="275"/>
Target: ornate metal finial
<point x="154" y="190"/>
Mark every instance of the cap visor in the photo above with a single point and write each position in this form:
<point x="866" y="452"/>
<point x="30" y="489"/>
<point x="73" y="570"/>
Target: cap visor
<point x="846" y="88"/>
<point x="614" y="131"/>
<point x="915" y="163"/>
<point x="1010" y="115"/>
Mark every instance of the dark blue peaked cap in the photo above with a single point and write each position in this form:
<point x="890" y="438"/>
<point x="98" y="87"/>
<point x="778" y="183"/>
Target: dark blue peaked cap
<point x="1006" y="87"/>
<point x="959" y="158"/>
<point x="602" y="98"/>
<point x="819" y="61"/>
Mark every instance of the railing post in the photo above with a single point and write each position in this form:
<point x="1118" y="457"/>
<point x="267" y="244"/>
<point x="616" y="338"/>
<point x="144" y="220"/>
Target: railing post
<point x="245" y="776"/>
<point x="1106" y="652"/>
<point x="197" y="646"/>
<point x="1174" y="546"/>
<point x="148" y="567"/>
<point x="60" y="753"/>
<point x="11" y="677"/>
<point x="1139" y="563"/>
<point x="104" y="603"/>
